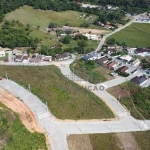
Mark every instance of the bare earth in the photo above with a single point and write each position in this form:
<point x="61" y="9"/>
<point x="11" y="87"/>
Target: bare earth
<point x="26" y="116"/>
<point x="128" y="141"/>
<point x="79" y="142"/>
<point x="85" y="30"/>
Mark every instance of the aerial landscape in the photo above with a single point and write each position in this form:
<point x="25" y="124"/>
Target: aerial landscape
<point x="75" y="75"/>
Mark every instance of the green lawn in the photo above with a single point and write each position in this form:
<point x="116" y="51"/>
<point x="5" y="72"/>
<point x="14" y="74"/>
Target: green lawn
<point x="35" y="17"/>
<point x="140" y="97"/>
<point x="87" y="72"/>
<point x="108" y="141"/>
<point x="65" y="99"/>
<point x="47" y="39"/>
<point x="137" y="34"/>
<point x="14" y="135"/>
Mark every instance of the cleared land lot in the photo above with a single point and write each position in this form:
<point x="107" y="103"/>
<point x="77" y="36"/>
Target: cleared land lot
<point x="14" y="135"/>
<point x="110" y="141"/>
<point x="140" y="97"/>
<point x="35" y="17"/>
<point x="65" y="99"/>
<point x="137" y="34"/>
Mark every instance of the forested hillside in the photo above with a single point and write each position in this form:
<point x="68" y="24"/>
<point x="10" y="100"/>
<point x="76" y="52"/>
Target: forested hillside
<point x="61" y="5"/>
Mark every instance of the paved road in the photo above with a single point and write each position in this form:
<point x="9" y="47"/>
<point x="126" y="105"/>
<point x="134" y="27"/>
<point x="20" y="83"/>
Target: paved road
<point x="58" y="131"/>
<point x="117" y="30"/>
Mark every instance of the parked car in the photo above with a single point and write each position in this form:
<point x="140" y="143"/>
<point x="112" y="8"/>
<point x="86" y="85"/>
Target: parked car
<point x="1" y="78"/>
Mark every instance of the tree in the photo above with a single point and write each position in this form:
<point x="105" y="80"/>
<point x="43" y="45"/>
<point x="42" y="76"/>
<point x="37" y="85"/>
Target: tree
<point x="111" y="41"/>
<point x="66" y="39"/>
<point x="82" y="43"/>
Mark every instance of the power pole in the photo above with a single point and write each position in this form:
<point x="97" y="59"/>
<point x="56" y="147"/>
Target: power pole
<point x="29" y="87"/>
<point x="6" y="75"/>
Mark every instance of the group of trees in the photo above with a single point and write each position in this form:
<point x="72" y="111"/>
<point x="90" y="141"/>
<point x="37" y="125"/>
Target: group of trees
<point x="112" y="41"/>
<point x="62" y="5"/>
<point x="12" y="37"/>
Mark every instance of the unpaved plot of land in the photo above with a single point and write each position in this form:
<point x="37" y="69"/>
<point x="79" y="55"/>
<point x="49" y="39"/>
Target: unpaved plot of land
<point x="107" y="141"/>
<point x="79" y="142"/>
<point x="85" y="30"/>
<point x="26" y="116"/>
<point x="128" y="141"/>
<point x="104" y="72"/>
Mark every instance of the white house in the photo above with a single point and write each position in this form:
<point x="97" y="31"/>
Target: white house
<point x="126" y="57"/>
<point x="47" y="58"/>
<point x="2" y="53"/>
<point x="92" y="56"/>
<point x="136" y="62"/>
<point x="91" y="36"/>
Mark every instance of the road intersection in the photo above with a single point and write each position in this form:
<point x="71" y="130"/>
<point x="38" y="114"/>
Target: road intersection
<point x="58" y="130"/>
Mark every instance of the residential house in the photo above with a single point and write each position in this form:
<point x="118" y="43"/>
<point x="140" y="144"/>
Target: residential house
<point x="18" y="58"/>
<point x="136" y="62"/>
<point x="34" y="60"/>
<point x="68" y="29"/>
<point x="111" y="46"/>
<point x="63" y="56"/>
<point x="126" y="58"/>
<point x="129" y="50"/>
<point x="102" y="60"/>
<point x="92" y="56"/>
<point x="124" y="69"/>
<point x="107" y="26"/>
<point x="142" y="51"/>
<point x="139" y="80"/>
<point x="111" y="51"/>
<point x="91" y="36"/>
<point x="2" y="53"/>
<point x="112" y="65"/>
<point x="39" y="57"/>
<point x="47" y="58"/>
<point x="25" y="59"/>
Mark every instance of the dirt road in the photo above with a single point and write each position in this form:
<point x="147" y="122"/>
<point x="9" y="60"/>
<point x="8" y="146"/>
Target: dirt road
<point x="25" y="114"/>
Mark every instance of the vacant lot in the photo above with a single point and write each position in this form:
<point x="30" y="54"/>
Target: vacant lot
<point x="65" y="99"/>
<point x="140" y="97"/>
<point x="110" y="141"/>
<point x="90" y="72"/>
<point x="14" y="135"/>
<point x="137" y="34"/>
<point x="104" y="72"/>
<point x="35" y="17"/>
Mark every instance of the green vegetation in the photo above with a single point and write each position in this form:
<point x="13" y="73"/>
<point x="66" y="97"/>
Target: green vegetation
<point x="35" y="17"/>
<point x="14" y="34"/>
<point x="140" y="97"/>
<point x="108" y="141"/>
<point x="14" y="135"/>
<point x="142" y="139"/>
<point x="85" y="70"/>
<point x="2" y="58"/>
<point x="48" y="84"/>
<point x="135" y="35"/>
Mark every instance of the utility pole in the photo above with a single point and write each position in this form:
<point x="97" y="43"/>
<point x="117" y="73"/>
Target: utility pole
<point x="6" y="75"/>
<point x="29" y="87"/>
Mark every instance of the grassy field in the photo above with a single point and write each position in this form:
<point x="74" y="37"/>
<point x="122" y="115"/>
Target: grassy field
<point x="140" y="97"/>
<point x="65" y="99"/>
<point x="110" y="141"/>
<point x="14" y="135"/>
<point x="88" y="72"/>
<point x="105" y="141"/>
<point x="35" y="17"/>
<point x="137" y="34"/>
